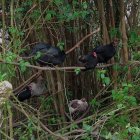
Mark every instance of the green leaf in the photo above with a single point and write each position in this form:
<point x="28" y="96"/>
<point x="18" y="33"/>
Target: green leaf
<point x="85" y="5"/>
<point x="111" y="113"/>
<point x="74" y="126"/>
<point x="107" y="80"/>
<point x="23" y="65"/>
<point x="113" y="92"/>
<point x="76" y="14"/>
<point x="20" y="9"/>
<point x="61" y="45"/>
<point x="128" y="125"/>
<point x="48" y="16"/>
<point x="94" y="102"/>
<point x="77" y="71"/>
<point x="58" y="2"/>
<point x="115" y="32"/>
<point x="124" y="84"/>
<point x="130" y="85"/>
<point x="117" y="67"/>
<point x="133" y="37"/>
<point x="137" y="130"/>
<point x="102" y="75"/>
<point x="120" y="106"/>
<point x="125" y="90"/>
<point x="109" y="136"/>
<point x="3" y="76"/>
<point x="38" y="55"/>
<point x="135" y="137"/>
<point x="86" y="127"/>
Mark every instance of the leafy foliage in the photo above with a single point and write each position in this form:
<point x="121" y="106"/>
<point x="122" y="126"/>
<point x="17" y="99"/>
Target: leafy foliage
<point x="114" y="109"/>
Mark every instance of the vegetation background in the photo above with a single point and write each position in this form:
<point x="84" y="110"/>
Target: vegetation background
<point x="112" y="92"/>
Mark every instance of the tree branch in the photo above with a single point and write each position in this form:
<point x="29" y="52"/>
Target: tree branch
<point x="68" y="68"/>
<point x="53" y="68"/>
<point x="83" y="39"/>
<point x="52" y="133"/>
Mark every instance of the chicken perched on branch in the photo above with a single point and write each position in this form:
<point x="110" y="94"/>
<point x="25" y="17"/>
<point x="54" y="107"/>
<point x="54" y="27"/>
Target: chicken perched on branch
<point x="105" y="53"/>
<point x="33" y="89"/>
<point x="99" y="54"/>
<point x="49" y="55"/>
<point x="89" y="61"/>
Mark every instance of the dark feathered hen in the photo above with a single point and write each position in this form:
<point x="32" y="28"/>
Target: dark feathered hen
<point x="24" y="94"/>
<point x="33" y="89"/>
<point x="89" y="61"/>
<point x="106" y="52"/>
<point x="50" y="55"/>
<point x="99" y="54"/>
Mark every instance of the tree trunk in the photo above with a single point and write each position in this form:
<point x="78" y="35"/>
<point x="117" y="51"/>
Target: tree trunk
<point x="103" y="22"/>
<point x="124" y="51"/>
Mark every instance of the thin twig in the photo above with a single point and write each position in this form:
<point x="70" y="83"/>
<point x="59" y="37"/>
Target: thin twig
<point x="52" y="133"/>
<point x="29" y="11"/>
<point x="43" y="126"/>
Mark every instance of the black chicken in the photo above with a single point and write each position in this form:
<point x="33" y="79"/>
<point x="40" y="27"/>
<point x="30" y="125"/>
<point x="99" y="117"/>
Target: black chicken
<point x="49" y="55"/>
<point x="99" y="54"/>
<point x="89" y="61"/>
<point x="105" y="53"/>
<point x="24" y="95"/>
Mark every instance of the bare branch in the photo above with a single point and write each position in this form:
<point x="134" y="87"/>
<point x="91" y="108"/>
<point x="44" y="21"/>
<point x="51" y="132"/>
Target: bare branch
<point x="53" y="68"/>
<point x="52" y="133"/>
<point x="83" y="39"/>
